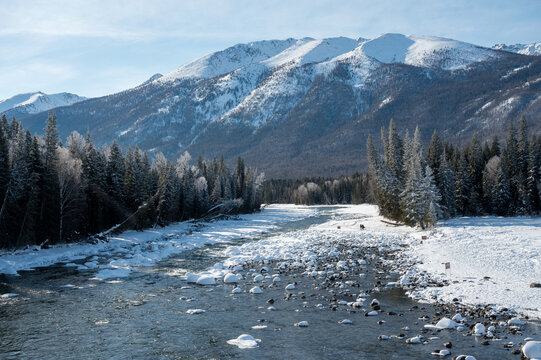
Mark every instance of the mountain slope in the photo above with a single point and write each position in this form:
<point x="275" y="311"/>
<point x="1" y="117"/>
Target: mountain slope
<point x="300" y="107"/>
<point x="523" y="49"/>
<point x="32" y="103"/>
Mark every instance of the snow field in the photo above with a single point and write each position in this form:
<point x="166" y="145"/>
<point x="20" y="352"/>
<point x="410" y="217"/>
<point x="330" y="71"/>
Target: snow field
<point x="493" y="261"/>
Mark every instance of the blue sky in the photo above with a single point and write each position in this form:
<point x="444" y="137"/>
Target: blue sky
<point x="98" y="47"/>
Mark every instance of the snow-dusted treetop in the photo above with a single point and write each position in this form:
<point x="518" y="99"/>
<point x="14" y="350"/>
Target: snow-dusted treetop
<point x="32" y="103"/>
<point x="423" y="51"/>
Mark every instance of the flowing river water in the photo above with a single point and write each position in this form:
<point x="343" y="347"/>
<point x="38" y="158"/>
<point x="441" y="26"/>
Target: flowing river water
<point x="61" y="313"/>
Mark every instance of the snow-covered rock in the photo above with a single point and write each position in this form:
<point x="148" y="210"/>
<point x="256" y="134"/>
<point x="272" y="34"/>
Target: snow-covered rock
<point x="415" y="340"/>
<point x="206" y="280"/>
<point x="446" y="323"/>
<point x="515" y="321"/>
<point x="479" y="329"/>
<point x="256" y="290"/>
<point x="245" y="341"/>
<point x="231" y="278"/>
<point x="258" y="277"/>
<point x="194" y="311"/>
<point x="532" y="350"/>
<point x="443" y="352"/>
<point x="290" y="287"/>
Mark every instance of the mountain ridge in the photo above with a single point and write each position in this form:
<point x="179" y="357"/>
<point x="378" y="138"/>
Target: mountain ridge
<point x="35" y="102"/>
<point x="299" y="107"/>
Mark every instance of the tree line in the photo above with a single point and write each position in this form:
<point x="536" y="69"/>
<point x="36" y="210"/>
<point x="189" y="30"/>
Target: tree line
<point x="417" y="187"/>
<point x="50" y="193"/>
<point x="354" y="189"/>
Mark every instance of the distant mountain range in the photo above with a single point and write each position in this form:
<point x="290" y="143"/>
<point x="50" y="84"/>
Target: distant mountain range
<point x="299" y="107"/>
<point x="36" y="102"/>
<point x="528" y="49"/>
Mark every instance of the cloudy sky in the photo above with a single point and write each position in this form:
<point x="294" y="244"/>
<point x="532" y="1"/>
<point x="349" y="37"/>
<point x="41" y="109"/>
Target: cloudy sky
<point x="98" y="47"/>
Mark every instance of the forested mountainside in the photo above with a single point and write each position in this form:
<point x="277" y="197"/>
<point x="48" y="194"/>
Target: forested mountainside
<point x="305" y="107"/>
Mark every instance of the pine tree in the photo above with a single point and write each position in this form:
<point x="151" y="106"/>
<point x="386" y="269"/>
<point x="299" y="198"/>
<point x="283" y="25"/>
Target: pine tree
<point x="495" y="149"/>
<point x="13" y="206"/>
<point x="29" y="226"/>
<point x="435" y="151"/>
<point x="475" y="172"/>
<point x="412" y="199"/>
<point x="462" y="185"/>
<point x="5" y="168"/>
<point x="446" y="183"/>
<point x="50" y="200"/>
<point x="115" y="172"/>
<point x="533" y="202"/>
<point x="394" y="152"/>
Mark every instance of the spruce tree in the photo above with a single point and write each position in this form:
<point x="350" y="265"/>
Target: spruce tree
<point x="446" y="183"/>
<point x="50" y="200"/>
<point x="5" y="168"/>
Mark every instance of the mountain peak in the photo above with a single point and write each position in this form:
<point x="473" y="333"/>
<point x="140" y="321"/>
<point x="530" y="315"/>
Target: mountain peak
<point x="35" y="102"/>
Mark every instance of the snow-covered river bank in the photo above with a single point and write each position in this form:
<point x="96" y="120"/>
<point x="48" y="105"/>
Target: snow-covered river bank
<point x="132" y="297"/>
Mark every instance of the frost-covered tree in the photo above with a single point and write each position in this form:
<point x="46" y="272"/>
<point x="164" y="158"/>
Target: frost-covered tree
<point x="69" y="178"/>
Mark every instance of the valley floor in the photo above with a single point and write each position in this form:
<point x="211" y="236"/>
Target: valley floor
<point x="493" y="260"/>
<point x="247" y="288"/>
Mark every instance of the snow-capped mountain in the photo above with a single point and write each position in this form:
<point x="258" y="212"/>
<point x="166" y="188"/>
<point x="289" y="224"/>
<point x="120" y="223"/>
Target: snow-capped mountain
<point x="305" y="106"/>
<point x="524" y="49"/>
<point x="32" y="103"/>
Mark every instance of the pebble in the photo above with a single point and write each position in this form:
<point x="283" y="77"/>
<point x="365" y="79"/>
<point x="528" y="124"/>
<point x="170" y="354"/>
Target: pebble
<point x="302" y="324"/>
<point x="256" y="290"/>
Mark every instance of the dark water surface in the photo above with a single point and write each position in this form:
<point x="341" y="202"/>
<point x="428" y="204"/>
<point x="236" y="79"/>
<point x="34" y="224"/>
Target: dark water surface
<point x="143" y="317"/>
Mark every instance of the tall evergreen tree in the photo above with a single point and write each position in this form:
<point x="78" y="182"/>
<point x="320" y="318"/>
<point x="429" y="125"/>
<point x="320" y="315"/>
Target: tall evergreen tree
<point x="49" y="214"/>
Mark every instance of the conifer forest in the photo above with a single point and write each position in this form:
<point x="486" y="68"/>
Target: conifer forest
<point x="51" y="193"/>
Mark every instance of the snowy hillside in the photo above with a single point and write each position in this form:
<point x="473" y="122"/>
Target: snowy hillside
<point x="33" y="103"/>
<point x="524" y="49"/>
<point x="388" y="48"/>
<point x="425" y="51"/>
<point x="302" y="103"/>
